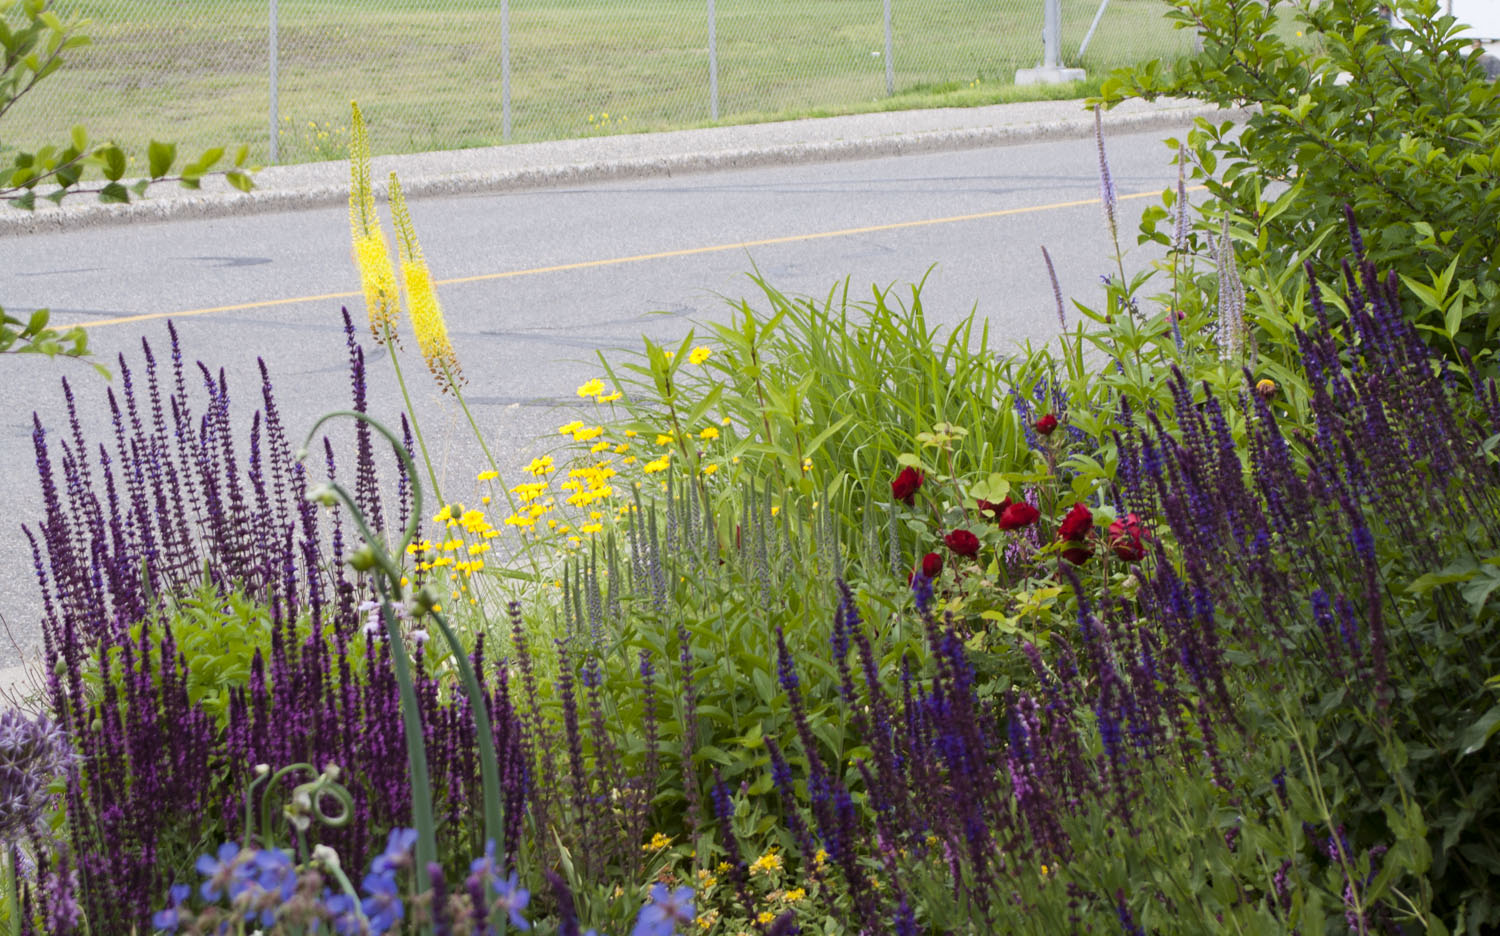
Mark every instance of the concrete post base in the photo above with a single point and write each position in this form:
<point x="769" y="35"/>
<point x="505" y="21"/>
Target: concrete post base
<point x="1028" y="76"/>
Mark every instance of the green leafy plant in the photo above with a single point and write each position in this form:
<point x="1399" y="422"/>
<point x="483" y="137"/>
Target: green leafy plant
<point x="31" y="50"/>
<point x="1392" y="118"/>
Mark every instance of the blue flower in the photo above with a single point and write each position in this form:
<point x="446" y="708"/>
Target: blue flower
<point x="171" y="918"/>
<point x="486" y="867"/>
<point x="666" y="910"/>
<point x="221" y="871"/>
<point x="345" y="913"/>
<point x="397" y="851"/>
<point x="512" y="898"/>
<point x="275" y="881"/>
<point x="383" y="905"/>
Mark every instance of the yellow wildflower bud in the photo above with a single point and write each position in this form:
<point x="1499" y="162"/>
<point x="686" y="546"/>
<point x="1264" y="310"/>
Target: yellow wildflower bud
<point x="421" y="298"/>
<point x="376" y="275"/>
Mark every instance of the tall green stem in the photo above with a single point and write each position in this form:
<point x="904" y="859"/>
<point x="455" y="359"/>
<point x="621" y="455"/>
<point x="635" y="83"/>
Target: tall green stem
<point x="494" y="466"/>
<point x="416" y="428"/>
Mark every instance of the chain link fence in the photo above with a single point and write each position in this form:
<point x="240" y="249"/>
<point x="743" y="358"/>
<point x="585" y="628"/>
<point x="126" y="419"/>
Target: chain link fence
<point x="445" y="74"/>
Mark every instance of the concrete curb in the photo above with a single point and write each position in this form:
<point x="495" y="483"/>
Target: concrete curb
<point x="417" y="184"/>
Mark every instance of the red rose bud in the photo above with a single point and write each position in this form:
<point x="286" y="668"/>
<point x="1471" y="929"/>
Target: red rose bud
<point x="1018" y="515"/>
<point x="1126" y="538"/>
<point x="1078" y="553"/>
<point x="904" y="488"/>
<point x="1077" y="524"/>
<point x="932" y="565"/>
<point x="991" y="510"/>
<point x="1046" y="424"/>
<point x="962" y="542"/>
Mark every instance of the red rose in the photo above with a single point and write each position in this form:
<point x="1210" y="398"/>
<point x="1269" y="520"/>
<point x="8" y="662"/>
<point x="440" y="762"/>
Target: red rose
<point x="991" y="510"/>
<point x="1077" y="524"/>
<point x="1078" y="552"/>
<point x="932" y="565"/>
<point x="1018" y="515"/>
<point x="904" y="488"/>
<point x="962" y="542"/>
<point x="1046" y="424"/>
<point x="1127" y="536"/>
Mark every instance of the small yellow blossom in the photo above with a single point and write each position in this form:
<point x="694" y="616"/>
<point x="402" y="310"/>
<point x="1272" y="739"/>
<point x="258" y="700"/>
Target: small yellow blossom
<point x="488" y="475"/>
<point x="622" y="448"/>
<point x="591" y="389"/>
<point x="610" y="397"/>
<point x="659" y="464"/>
<point x="591" y="528"/>
<point x="709" y="433"/>
<point x="570" y="428"/>
<point x="629" y="460"/>
<point x="631" y="433"/>
<point x="710" y="469"/>
<point x="766" y="863"/>
<point x="663" y="439"/>
<point x="807" y="464"/>
<point x="726" y="420"/>
<point x="723" y="868"/>
<point x="699" y="355"/>
<point x="796" y="895"/>
<point x="543" y="465"/>
<point x="588" y="434"/>
<point x="657" y="843"/>
<point x="820" y="857"/>
<point x="599" y="447"/>
<point x="766" y="918"/>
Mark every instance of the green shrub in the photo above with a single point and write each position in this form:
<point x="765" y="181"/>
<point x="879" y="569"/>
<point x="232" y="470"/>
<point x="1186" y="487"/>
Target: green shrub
<point x="1393" y="120"/>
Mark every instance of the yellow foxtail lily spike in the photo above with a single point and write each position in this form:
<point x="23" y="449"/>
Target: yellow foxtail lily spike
<point x="371" y="257"/>
<point x="421" y="298"/>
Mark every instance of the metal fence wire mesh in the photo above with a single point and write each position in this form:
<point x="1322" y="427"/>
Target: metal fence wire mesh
<point x="445" y="74"/>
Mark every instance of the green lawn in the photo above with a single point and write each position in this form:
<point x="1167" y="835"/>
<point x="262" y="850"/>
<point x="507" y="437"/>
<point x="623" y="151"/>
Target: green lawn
<point x="428" y="74"/>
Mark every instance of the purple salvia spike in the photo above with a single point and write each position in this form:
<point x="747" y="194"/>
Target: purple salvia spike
<point x="1062" y="320"/>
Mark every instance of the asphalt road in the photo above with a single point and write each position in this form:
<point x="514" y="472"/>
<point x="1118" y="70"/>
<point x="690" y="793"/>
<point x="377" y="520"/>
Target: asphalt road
<point x="550" y="278"/>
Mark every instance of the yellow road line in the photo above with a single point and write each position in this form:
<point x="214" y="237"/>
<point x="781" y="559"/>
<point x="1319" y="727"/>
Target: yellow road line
<point x="638" y="258"/>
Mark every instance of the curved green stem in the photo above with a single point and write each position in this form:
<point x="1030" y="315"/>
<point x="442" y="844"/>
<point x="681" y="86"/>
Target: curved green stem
<point x="390" y="346"/>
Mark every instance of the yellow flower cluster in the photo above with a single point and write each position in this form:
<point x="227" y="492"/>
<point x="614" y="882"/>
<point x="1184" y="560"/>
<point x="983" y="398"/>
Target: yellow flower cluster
<point x="473" y="524"/>
<point x="421" y="298"/>
<point x="376" y="275"/>
<point x="766" y="863"/>
<point x="659" y="464"/>
<point x="580" y="432"/>
<point x="657" y="843"/>
<point x="595" y="389"/>
<point x="590" y="484"/>
<point x="540" y="466"/>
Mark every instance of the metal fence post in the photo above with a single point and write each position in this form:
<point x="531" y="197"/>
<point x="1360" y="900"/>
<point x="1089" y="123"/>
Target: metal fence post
<point x="271" y="62"/>
<point x="1098" y="15"/>
<point x="890" y="62"/>
<point x="505" y="69"/>
<point x="713" y="62"/>
<point x="1051" y="33"/>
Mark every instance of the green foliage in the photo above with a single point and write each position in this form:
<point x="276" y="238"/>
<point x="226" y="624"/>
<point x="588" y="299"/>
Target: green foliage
<point x="1395" y="120"/>
<point x="34" y="337"/>
<point x="33" y="43"/>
